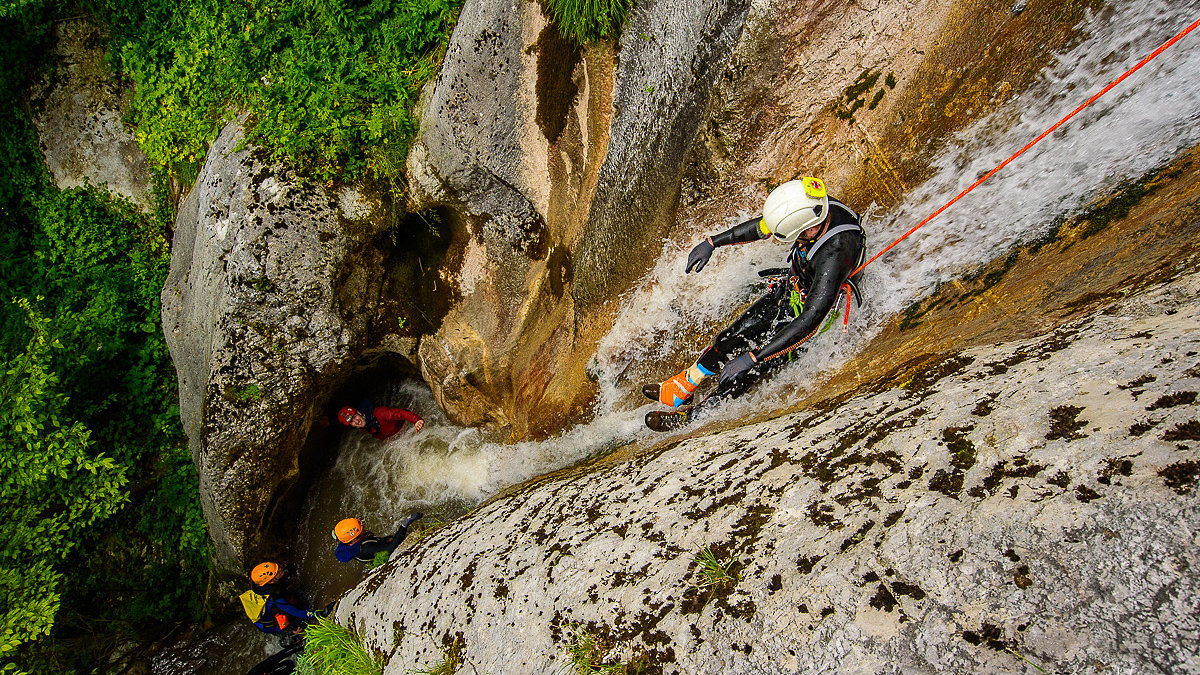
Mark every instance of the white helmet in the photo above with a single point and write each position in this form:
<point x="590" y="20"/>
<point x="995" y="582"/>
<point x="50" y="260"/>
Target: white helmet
<point x="794" y="207"/>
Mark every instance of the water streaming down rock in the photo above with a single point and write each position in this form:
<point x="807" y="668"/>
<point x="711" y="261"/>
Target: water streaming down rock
<point x="1001" y="508"/>
<point x="1073" y="550"/>
<point x="1142" y="125"/>
<point x="1138" y="127"/>
<point x="442" y="471"/>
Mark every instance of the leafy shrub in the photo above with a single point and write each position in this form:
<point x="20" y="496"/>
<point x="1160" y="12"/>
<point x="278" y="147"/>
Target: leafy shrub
<point x="103" y="537"/>
<point x="52" y="487"/>
<point x="330" y="83"/>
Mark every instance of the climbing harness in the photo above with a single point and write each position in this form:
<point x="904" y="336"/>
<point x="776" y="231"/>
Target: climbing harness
<point x="847" y="227"/>
<point x="1035" y="141"/>
<point x="796" y="301"/>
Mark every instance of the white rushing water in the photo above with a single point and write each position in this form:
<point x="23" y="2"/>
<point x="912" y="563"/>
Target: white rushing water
<point x="1142" y="124"/>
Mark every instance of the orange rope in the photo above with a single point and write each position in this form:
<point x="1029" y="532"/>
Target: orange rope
<point x="1045" y="133"/>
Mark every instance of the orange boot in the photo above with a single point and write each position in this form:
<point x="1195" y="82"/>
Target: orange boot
<point x="677" y="390"/>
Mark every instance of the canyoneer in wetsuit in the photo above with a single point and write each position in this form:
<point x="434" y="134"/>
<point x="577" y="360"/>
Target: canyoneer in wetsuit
<point x="381" y="421"/>
<point x="269" y="604"/>
<point x="355" y="543"/>
<point x="827" y="244"/>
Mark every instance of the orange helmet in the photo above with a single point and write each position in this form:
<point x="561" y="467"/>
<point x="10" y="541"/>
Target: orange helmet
<point x="264" y="573"/>
<point x="347" y="530"/>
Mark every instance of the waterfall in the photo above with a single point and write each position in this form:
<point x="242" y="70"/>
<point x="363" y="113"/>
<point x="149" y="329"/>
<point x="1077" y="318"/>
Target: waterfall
<point x="1139" y="126"/>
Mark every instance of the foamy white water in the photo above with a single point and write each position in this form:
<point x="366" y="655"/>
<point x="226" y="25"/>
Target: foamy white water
<point x="1143" y="123"/>
<point x="1140" y="125"/>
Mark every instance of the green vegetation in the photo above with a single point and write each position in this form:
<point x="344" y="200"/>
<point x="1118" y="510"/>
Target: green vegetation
<point x="451" y="660"/>
<point x="53" y="486"/>
<point x="429" y="525"/>
<point x="103" y="540"/>
<point x="853" y="97"/>
<point x="250" y="392"/>
<point x="591" y="654"/>
<point x="714" y="573"/>
<point x="330" y="84"/>
<point x="583" y="21"/>
<point x="331" y="649"/>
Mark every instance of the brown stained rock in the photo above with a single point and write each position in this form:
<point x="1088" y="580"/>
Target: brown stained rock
<point x="1166" y="223"/>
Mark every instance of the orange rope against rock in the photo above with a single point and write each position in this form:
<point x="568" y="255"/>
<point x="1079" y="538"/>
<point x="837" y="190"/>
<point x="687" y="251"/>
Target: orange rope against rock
<point x="1045" y="133"/>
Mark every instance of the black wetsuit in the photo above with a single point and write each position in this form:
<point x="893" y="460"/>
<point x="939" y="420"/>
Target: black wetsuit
<point x="282" y="662"/>
<point x="775" y="324"/>
<point x="368" y="545"/>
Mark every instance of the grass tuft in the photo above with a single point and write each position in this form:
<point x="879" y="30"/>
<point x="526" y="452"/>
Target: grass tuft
<point x="332" y="649"/>
<point x="591" y="654"/>
<point x="584" y="21"/>
<point x="715" y="573"/>
<point x="452" y="659"/>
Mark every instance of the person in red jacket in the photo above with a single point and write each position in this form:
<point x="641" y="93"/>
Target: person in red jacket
<point x="381" y="422"/>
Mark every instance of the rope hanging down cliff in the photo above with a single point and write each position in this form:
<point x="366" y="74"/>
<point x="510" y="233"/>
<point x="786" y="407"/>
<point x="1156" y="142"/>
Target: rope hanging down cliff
<point x="1035" y="141"/>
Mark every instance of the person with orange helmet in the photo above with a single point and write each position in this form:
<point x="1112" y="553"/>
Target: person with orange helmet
<point x="381" y="422"/>
<point x="268" y="604"/>
<point x="270" y="577"/>
<point x="825" y="244"/>
<point x="355" y="543"/>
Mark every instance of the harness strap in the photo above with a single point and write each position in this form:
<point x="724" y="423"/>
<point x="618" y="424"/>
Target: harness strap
<point x="845" y="227"/>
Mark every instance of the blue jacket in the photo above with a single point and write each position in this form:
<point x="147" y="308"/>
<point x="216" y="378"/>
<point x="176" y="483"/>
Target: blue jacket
<point x="346" y="552"/>
<point x="278" y="605"/>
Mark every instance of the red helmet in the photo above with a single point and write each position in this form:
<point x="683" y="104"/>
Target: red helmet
<point x="346" y="414"/>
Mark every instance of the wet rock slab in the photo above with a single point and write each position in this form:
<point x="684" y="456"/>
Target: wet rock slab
<point x="1031" y="503"/>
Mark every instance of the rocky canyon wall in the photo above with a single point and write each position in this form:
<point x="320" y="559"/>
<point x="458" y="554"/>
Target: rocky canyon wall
<point x="560" y="172"/>
<point x="273" y="289"/>
<point x="571" y="167"/>
<point x="982" y="490"/>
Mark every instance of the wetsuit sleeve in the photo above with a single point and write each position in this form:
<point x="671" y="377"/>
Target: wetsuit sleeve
<point x="278" y="605"/>
<point x="395" y="414"/>
<point x="833" y="264"/>
<point x="740" y="234"/>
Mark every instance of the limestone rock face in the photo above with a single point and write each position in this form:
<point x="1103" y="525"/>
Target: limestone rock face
<point x="561" y="165"/>
<point x="77" y="108"/>
<point x="1033" y="501"/>
<point x="269" y="293"/>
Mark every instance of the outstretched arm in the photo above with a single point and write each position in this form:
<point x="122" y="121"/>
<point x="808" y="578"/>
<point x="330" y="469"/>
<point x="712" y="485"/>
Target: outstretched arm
<point x="738" y="234"/>
<point x="281" y="605"/>
<point x="394" y="414"/>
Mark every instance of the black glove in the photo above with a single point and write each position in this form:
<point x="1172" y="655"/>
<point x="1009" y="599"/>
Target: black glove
<point x="735" y="368"/>
<point x="699" y="256"/>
